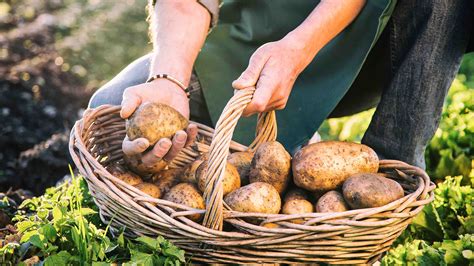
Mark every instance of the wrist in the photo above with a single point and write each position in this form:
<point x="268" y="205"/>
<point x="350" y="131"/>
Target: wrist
<point x="303" y="40"/>
<point x="161" y="85"/>
<point x="174" y="67"/>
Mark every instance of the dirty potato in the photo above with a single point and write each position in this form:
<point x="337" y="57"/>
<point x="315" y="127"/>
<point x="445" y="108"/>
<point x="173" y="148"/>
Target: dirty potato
<point x="124" y="175"/>
<point x="368" y="190"/>
<point x="242" y="161"/>
<point x="230" y="182"/>
<point x="187" y="194"/>
<point x="256" y="197"/>
<point x="135" y="164"/>
<point x="296" y="202"/>
<point x="326" y="165"/>
<point x="150" y="189"/>
<point x="166" y="179"/>
<point x="331" y="201"/>
<point x="271" y="164"/>
<point x="154" y="121"/>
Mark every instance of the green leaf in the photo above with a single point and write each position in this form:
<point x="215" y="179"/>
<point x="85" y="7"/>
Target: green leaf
<point x="121" y="240"/>
<point x="36" y="241"/>
<point x="87" y="211"/>
<point x="24" y="225"/>
<point x="61" y="258"/>
<point x="49" y="232"/>
<point x="142" y="259"/>
<point x="57" y="213"/>
<point x="149" y="242"/>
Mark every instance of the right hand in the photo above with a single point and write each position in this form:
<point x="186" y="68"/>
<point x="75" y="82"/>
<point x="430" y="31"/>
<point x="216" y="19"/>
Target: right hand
<point x="158" y="91"/>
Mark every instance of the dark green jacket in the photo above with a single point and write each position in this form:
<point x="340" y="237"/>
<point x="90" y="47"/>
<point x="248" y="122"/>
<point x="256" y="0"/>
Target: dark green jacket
<point x="246" y="25"/>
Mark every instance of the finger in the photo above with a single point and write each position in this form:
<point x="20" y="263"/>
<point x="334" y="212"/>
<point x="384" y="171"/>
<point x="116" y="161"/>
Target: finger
<point x="279" y="105"/>
<point x="130" y="102"/>
<point x="132" y="147"/>
<point x="192" y="132"/>
<point x="265" y="87"/>
<point x="179" y="140"/>
<point x="251" y="74"/>
<point x="156" y="154"/>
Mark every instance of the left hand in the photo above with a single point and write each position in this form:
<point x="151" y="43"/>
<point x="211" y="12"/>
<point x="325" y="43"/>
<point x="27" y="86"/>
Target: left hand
<point x="273" y="69"/>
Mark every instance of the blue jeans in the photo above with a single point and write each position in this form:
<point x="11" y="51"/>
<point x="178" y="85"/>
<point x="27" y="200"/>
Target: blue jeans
<point x="418" y="53"/>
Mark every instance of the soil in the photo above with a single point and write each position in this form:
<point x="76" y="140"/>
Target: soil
<point x="39" y="103"/>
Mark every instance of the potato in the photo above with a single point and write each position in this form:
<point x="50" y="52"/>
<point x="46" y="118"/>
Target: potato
<point x="167" y="179"/>
<point x="295" y="193"/>
<point x="271" y="225"/>
<point x="150" y="189"/>
<point x="257" y="197"/>
<point x="242" y="161"/>
<point x="295" y="202"/>
<point x="230" y="182"/>
<point x="331" y="201"/>
<point x="187" y="194"/>
<point x="297" y="206"/>
<point x="135" y="164"/>
<point x="326" y="165"/>
<point x="368" y="190"/>
<point x="128" y="177"/>
<point x="271" y="164"/>
<point x="189" y="174"/>
<point x="154" y="121"/>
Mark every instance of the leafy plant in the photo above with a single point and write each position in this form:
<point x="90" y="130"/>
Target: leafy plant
<point x="419" y="252"/>
<point x="448" y="216"/>
<point x="63" y="227"/>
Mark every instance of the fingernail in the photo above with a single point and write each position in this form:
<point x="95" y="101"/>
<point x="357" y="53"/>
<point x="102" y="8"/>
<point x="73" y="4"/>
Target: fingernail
<point x="142" y="144"/>
<point x="181" y="137"/>
<point x="163" y="144"/>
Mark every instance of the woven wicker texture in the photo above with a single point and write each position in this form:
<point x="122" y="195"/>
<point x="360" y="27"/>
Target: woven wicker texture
<point x="224" y="236"/>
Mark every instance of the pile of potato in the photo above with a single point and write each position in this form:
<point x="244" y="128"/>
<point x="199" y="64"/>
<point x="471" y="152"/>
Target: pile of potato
<point x="328" y="176"/>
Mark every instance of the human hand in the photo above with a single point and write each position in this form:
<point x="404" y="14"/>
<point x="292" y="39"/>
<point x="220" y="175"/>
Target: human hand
<point x="158" y="91"/>
<point x="273" y="69"/>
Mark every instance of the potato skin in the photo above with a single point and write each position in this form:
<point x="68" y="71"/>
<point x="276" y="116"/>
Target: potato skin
<point x="242" y="161"/>
<point x="256" y="197"/>
<point x="271" y="164"/>
<point x="230" y="182"/>
<point x="331" y="201"/>
<point x="128" y="177"/>
<point x="189" y="174"/>
<point x="297" y="206"/>
<point x="295" y="193"/>
<point x="326" y="165"/>
<point x="187" y="194"/>
<point x="150" y="189"/>
<point x="135" y="164"/>
<point x="154" y="121"/>
<point x="368" y="190"/>
<point x="166" y="179"/>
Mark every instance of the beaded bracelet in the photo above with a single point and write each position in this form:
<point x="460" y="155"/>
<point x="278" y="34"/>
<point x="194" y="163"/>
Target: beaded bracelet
<point x="170" y="78"/>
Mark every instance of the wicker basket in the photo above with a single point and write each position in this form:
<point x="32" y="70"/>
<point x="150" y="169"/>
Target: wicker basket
<point x="351" y="237"/>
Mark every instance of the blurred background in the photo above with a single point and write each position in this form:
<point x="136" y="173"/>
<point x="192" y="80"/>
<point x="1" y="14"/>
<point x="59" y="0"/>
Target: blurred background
<point x="55" y="53"/>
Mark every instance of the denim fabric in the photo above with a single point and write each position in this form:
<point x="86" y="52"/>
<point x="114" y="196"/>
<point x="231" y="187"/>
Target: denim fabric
<point x="427" y="41"/>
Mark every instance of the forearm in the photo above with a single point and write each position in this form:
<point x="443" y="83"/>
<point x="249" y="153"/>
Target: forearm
<point x="178" y="29"/>
<point x="327" y="20"/>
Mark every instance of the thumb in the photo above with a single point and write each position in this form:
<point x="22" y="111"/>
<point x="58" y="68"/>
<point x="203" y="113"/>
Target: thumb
<point x="250" y="76"/>
<point x="130" y="102"/>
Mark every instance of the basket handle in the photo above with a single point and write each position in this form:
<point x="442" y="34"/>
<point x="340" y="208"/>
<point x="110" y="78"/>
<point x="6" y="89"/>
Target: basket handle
<point x="219" y="150"/>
